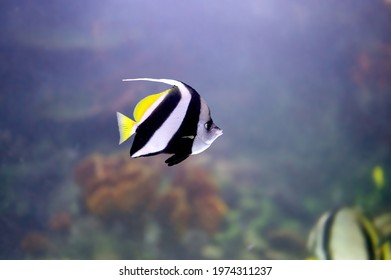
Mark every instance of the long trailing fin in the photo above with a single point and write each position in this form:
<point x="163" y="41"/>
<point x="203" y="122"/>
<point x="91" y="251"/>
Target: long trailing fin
<point x="165" y="81"/>
<point x="125" y="126"/>
<point x="145" y="103"/>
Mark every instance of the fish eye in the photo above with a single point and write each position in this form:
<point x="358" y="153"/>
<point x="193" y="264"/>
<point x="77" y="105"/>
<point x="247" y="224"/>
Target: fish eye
<point x="208" y="125"/>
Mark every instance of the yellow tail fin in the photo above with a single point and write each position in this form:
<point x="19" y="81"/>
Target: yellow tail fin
<point x="125" y="126"/>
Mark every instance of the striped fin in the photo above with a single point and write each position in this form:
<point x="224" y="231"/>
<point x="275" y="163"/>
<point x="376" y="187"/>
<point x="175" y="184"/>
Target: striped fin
<point x="146" y="103"/>
<point x="125" y="126"/>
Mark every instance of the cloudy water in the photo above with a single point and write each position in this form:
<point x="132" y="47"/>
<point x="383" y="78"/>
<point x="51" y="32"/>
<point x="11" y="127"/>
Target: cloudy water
<point x="302" y="91"/>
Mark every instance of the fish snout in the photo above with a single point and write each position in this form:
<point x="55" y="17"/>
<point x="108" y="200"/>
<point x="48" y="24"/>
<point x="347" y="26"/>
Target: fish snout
<point x="218" y="130"/>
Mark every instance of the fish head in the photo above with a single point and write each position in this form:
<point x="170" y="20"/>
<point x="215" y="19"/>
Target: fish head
<point x="207" y="133"/>
<point x="210" y="132"/>
<point x="207" y="130"/>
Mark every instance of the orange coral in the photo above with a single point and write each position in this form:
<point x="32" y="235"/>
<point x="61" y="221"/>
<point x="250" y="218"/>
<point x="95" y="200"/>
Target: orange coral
<point x="209" y="209"/>
<point x="116" y="186"/>
<point x="192" y="200"/>
<point x="174" y="208"/>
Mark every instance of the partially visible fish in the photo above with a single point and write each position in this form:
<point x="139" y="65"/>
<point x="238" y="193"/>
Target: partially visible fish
<point x="344" y="234"/>
<point x="176" y="121"/>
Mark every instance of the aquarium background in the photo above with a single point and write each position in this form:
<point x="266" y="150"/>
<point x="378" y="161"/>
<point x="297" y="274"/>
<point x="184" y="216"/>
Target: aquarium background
<point x="302" y="90"/>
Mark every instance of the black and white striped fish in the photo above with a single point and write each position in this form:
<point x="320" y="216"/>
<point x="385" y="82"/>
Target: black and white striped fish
<point x="344" y="233"/>
<point x="176" y="121"/>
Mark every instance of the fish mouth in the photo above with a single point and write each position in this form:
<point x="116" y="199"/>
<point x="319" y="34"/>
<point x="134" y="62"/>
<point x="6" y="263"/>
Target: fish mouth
<point x="219" y="132"/>
<point x="216" y="133"/>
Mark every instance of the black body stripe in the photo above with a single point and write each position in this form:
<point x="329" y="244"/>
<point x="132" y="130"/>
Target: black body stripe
<point x="180" y="144"/>
<point x="155" y="120"/>
<point x="328" y="225"/>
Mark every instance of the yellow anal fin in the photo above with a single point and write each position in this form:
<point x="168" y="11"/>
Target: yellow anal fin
<point x="125" y="126"/>
<point x="145" y="103"/>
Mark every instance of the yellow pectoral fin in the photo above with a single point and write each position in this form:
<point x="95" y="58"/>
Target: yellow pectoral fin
<point x="145" y="103"/>
<point x="125" y="126"/>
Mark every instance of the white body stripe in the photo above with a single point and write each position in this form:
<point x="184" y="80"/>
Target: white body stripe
<point x="163" y="135"/>
<point x="344" y="240"/>
<point x="320" y="251"/>
<point x="347" y="240"/>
